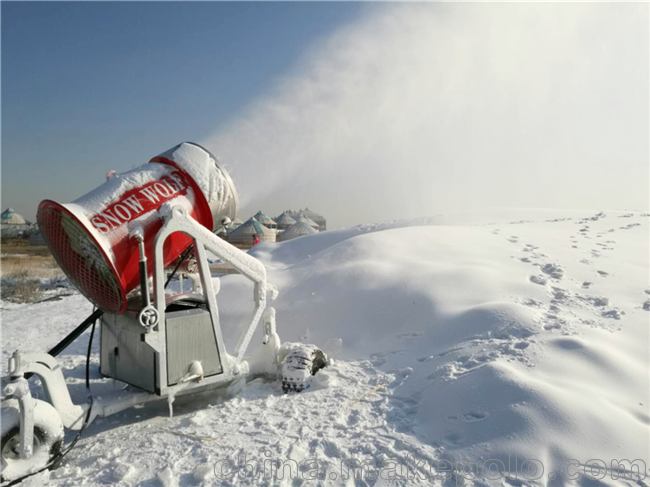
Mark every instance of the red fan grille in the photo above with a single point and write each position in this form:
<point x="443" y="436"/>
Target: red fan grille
<point x="80" y="257"/>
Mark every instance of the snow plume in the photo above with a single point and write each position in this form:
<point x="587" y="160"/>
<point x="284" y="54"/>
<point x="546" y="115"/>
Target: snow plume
<point x="420" y="109"/>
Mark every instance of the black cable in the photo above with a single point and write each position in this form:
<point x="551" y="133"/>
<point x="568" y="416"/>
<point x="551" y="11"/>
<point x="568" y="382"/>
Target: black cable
<point x="90" y="346"/>
<point x="182" y="259"/>
<point x="59" y="347"/>
<point x="58" y="459"/>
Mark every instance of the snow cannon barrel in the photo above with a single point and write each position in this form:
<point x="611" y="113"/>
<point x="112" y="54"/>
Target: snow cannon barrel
<point x="90" y="237"/>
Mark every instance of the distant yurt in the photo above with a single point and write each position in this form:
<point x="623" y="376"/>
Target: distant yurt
<point x="284" y="221"/>
<point x="299" y="229"/>
<point x="10" y="217"/>
<point x="265" y="220"/>
<point x="244" y="233"/>
<point x="315" y="217"/>
<point x="308" y="221"/>
<point x="14" y="225"/>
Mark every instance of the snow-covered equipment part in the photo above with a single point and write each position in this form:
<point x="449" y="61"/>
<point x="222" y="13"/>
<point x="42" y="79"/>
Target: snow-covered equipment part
<point x="299" y="229"/>
<point x="300" y="364"/>
<point x="236" y="223"/>
<point x="159" y="344"/>
<point x="89" y="237"/>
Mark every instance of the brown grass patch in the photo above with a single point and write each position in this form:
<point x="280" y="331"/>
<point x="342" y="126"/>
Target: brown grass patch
<point x="28" y="267"/>
<point x="21" y="291"/>
<point x="16" y="246"/>
<point x="22" y="269"/>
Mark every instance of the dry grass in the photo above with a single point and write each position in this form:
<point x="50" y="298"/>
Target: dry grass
<point x="21" y="247"/>
<point x="21" y="291"/>
<point x="28" y="267"/>
<point x="23" y="268"/>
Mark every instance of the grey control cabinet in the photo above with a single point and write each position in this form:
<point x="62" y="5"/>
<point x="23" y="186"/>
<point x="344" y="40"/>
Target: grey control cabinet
<point x="190" y="337"/>
<point x="125" y="356"/>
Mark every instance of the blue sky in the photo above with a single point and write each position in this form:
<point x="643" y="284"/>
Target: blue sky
<point x="88" y="87"/>
<point x="363" y="112"/>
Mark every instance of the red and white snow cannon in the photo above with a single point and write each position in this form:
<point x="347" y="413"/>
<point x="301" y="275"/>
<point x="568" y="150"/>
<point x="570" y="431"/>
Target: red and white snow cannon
<point x="89" y="237"/>
<point x="160" y="344"/>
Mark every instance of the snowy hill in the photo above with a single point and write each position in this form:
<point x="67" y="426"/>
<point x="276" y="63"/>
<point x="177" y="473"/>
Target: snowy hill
<point x="465" y="338"/>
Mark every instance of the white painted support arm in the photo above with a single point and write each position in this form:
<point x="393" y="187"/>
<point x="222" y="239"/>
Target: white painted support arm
<point x="177" y="220"/>
<point x="47" y="368"/>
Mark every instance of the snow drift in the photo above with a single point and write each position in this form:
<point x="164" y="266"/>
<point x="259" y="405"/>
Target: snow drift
<point x="467" y="338"/>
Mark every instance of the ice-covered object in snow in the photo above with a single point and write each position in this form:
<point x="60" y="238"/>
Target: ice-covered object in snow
<point x="301" y="363"/>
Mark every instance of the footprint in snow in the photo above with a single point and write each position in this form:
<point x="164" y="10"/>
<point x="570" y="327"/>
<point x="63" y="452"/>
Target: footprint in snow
<point x="553" y="270"/>
<point x="473" y="417"/>
<point x="554" y="325"/>
<point x="646" y="305"/>
<point x="598" y="301"/>
<point x="630" y="226"/>
<point x="603" y="273"/>
<point x="453" y="438"/>
<point x="586" y="284"/>
<point x="533" y="303"/>
<point x="451" y="350"/>
<point x="613" y="313"/>
<point x="541" y="280"/>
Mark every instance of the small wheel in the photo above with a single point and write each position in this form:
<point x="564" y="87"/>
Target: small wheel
<point x="48" y="439"/>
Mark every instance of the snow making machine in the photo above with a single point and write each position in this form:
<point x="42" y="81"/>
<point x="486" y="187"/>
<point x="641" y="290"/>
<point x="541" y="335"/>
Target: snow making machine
<point x="121" y="245"/>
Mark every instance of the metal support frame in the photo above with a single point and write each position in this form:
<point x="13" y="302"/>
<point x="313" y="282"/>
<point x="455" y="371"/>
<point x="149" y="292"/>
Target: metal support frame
<point x="48" y="370"/>
<point x="19" y="389"/>
<point x="263" y="363"/>
<point x="177" y="220"/>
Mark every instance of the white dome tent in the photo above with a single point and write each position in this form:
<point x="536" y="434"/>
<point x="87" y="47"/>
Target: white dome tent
<point x="265" y="220"/>
<point x="316" y="218"/>
<point x="14" y="225"/>
<point x="10" y="217"/>
<point x="244" y="234"/>
<point x="308" y="221"/>
<point x="296" y="230"/>
<point x="284" y="221"/>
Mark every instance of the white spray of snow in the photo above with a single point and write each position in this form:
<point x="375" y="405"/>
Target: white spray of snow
<point x="432" y="107"/>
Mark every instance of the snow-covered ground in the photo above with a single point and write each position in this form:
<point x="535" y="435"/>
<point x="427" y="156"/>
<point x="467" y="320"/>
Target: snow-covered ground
<point x="509" y="335"/>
